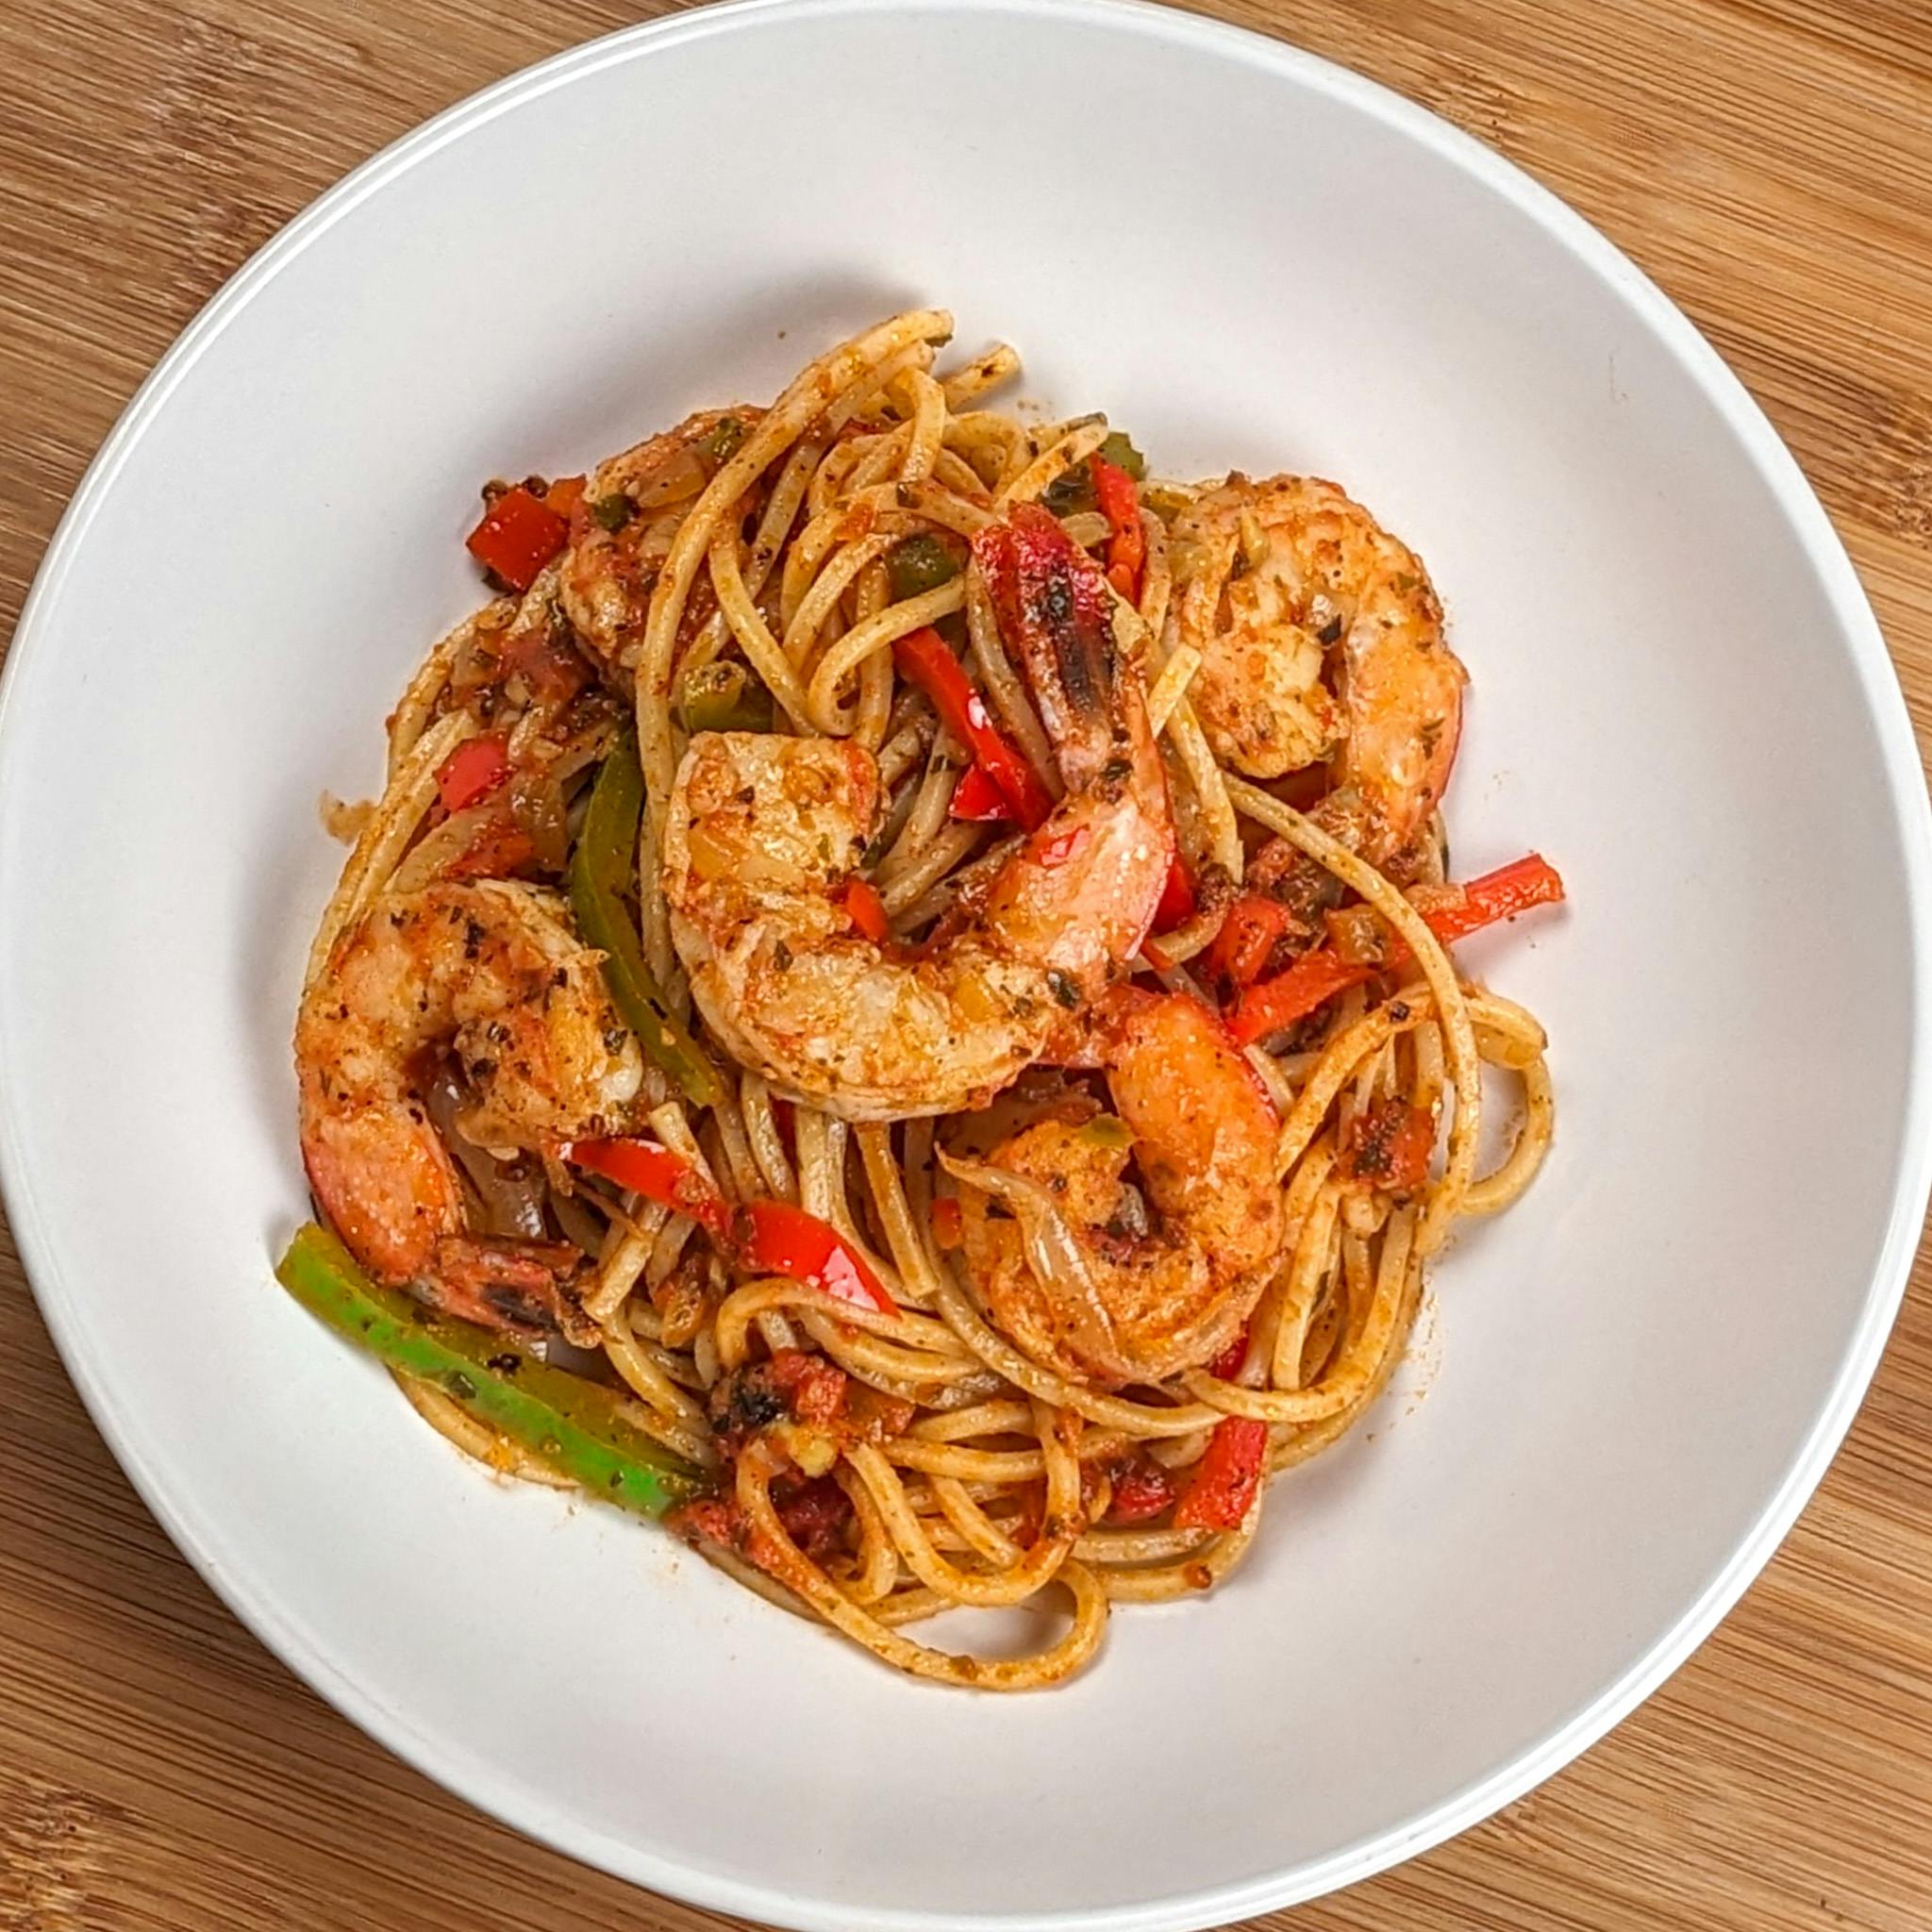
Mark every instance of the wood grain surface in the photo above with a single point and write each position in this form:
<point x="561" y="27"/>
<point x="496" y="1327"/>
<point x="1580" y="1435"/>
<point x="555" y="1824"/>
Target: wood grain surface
<point x="1769" y="163"/>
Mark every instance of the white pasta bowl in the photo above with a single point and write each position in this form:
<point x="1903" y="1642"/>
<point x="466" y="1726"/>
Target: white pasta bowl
<point x="1249" y="259"/>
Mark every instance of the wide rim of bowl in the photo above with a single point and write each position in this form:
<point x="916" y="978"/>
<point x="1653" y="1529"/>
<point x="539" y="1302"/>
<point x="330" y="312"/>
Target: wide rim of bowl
<point x="221" y="1558"/>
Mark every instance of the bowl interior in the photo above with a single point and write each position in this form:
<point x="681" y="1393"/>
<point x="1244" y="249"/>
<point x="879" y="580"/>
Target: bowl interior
<point x="1678" y="696"/>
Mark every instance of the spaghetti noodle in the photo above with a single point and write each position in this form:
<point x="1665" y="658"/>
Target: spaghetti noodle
<point x="912" y="962"/>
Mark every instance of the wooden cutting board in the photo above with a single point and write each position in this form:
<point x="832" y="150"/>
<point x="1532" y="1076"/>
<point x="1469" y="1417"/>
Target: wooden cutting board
<point x="1769" y="163"/>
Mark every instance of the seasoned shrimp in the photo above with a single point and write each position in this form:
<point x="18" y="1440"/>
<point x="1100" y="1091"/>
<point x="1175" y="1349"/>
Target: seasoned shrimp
<point x="1274" y="581"/>
<point x="486" y="973"/>
<point x="765" y="834"/>
<point x="1066" y="1256"/>
<point x="621" y="529"/>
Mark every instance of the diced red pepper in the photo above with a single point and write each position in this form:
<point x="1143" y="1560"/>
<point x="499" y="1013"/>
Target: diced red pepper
<point x="927" y="659"/>
<point x="867" y="910"/>
<point x="656" y="1174"/>
<point x="1177" y="904"/>
<point x="1318" y="976"/>
<point x="564" y="494"/>
<point x="473" y="770"/>
<point x="1247" y="936"/>
<point x="1389" y="1147"/>
<point x="779" y="1239"/>
<point x="814" y="1512"/>
<point x="1225" y="1482"/>
<point x="518" y="536"/>
<point x="1140" y="1489"/>
<point x="977" y="800"/>
<point x="1120" y="504"/>
<point x="948" y="1226"/>
<point x="1227" y="1364"/>
<point x="813" y="1388"/>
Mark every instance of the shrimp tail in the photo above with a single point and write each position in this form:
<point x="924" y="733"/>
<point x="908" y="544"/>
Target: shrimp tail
<point x="1052" y="602"/>
<point x="518" y="1286"/>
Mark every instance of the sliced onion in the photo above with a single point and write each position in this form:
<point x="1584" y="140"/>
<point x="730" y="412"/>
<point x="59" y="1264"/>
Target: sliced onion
<point x="591" y="1363"/>
<point x="678" y="475"/>
<point x="1356" y="936"/>
<point x="579" y="1224"/>
<point x="536" y="803"/>
<point x="711" y="857"/>
<point x="512" y="1195"/>
<point x="436" y="850"/>
<point x="1054" y="1254"/>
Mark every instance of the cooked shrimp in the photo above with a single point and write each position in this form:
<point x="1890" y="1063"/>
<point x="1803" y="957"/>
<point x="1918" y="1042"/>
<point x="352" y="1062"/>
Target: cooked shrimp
<point x="1276" y="582"/>
<point x="765" y="834"/>
<point x="1064" y="1253"/>
<point x="488" y="974"/>
<point x="622" y="528"/>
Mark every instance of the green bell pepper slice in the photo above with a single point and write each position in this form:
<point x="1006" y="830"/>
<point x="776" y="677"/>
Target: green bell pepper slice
<point x="921" y="564"/>
<point x="600" y="869"/>
<point x="572" y="1425"/>
<point x="720" y="696"/>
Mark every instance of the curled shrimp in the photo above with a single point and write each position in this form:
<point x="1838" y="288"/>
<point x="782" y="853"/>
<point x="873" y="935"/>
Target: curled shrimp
<point x="765" y="834"/>
<point x="1321" y="638"/>
<point x="1112" y="1285"/>
<point x="622" y="530"/>
<point x="486" y="974"/>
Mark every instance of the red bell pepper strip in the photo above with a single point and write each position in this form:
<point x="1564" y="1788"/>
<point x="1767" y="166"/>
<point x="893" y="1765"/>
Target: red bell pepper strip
<point x="779" y="1239"/>
<point x="656" y="1174"/>
<point x="977" y="800"/>
<point x="473" y="770"/>
<point x="1314" y="980"/>
<point x="927" y="660"/>
<point x="1500" y="894"/>
<point x="1246" y="938"/>
<point x="518" y="536"/>
<point x="1177" y="903"/>
<point x="1120" y="504"/>
<point x="1318" y="976"/>
<point x="867" y="910"/>
<point x="773" y="1237"/>
<point x="1224" y="1481"/>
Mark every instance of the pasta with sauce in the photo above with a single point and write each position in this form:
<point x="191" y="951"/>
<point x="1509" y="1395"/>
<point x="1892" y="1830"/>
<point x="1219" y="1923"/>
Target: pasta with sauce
<point x="896" y="1006"/>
